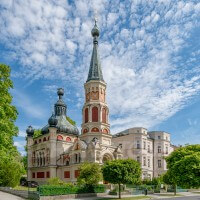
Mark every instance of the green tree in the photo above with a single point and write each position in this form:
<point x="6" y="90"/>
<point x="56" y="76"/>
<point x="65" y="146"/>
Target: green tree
<point x="71" y="121"/>
<point x="184" y="166"/>
<point x="37" y="133"/>
<point x="8" y="113"/>
<point x="11" y="167"/>
<point x="119" y="172"/>
<point x="90" y="174"/>
<point x="169" y="179"/>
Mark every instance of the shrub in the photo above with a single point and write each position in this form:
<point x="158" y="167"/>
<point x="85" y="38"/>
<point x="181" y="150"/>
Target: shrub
<point x="67" y="188"/>
<point x="55" y="181"/>
<point x="52" y="190"/>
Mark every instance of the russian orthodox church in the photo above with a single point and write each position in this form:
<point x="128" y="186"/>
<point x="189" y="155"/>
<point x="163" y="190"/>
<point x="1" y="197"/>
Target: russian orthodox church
<point x="60" y="150"/>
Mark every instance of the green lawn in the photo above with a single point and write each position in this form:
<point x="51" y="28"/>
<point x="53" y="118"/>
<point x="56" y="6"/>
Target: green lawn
<point x="128" y="198"/>
<point x="19" y="187"/>
<point x="170" y="195"/>
<point x="196" y="192"/>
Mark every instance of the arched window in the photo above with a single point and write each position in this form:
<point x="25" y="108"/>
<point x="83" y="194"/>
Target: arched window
<point x="68" y="139"/>
<point x="44" y="139"/>
<point x="59" y="137"/>
<point x="85" y="130"/>
<point x="105" y="131"/>
<point x="86" y="115"/>
<point x="104" y="115"/>
<point x="43" y="159"/>
<point x="95" y="129"/>
<point x="94" y="114"/>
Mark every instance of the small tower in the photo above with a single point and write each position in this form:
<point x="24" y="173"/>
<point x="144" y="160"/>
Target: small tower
<point x="30" y="133"/>
<point x="95" y="110"/>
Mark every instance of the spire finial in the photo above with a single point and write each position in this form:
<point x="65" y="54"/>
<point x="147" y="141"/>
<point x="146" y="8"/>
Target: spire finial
<point x="95" y="72"/>
<point x="95" y="30"/>
<point x="95" y="21"/>
<point x="60" y="92"/>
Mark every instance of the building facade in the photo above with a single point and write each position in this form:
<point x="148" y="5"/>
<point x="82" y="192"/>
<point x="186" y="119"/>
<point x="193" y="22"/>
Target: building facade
<point x="60" y="150"/>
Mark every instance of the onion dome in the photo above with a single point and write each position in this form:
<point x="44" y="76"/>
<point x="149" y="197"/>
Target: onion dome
<point x="95" y="30"/>
<point x="59" y="119"/>
<point x="30" y="131"/>
<point x="52" y="121"/>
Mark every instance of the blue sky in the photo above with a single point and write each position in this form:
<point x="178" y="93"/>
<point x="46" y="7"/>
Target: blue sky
<point x="150" y="55"/>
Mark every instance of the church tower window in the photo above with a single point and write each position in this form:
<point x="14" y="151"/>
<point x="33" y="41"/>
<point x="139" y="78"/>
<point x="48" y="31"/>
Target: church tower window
<point x="86" y="115"/>
<point x="104" y="115"/>
<point x="94" y="114"/>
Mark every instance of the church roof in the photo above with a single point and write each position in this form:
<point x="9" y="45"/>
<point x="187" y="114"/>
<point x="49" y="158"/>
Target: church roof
<point x="95" y="72"/>
<point x="62" y="124"/>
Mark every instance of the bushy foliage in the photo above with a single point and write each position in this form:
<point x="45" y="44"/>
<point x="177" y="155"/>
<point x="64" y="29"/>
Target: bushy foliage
<point x="11" y="167"/>
<point x="90" y="174"/>
<point x="37" y="133"/>
<point x="90" y="189"/>
<point x="71" y="121"/>
<point x="184" y="167"/>
<point x="125" y="171"/>
<point x="52" y="190"/>
<point x="56" y="181"/>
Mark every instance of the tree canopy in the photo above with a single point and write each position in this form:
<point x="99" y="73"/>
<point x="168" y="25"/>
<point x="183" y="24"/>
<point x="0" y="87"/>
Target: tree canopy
<point x="119" y="172"/>
<point x="37" y="133"/>
<point x="71" y="121"/>
<point x="184" y="167"/>
<point x="11" y="167"/>
<point x="90" y="174"/>
<point x="8" y="112"/>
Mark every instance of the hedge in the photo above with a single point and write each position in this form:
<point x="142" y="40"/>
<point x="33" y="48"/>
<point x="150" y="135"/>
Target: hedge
<point x="53" y="190"/>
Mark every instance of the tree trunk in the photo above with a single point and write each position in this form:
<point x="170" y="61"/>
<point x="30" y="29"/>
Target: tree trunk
<point x="119" y="191"/>
<point x="174" y="189"/>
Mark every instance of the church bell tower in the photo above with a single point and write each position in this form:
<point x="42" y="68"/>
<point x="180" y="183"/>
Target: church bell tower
<point x="95" y="111"/>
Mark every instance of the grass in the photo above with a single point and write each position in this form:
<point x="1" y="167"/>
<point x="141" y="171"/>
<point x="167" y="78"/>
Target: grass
<point x="170" y="195"/>
<point x="127" y="198"/>
<point x="19" y="187"/>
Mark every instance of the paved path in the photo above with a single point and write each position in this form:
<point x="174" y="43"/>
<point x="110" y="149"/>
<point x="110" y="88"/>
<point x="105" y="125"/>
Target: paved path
<point x="186" y="196"/>
<point x="6" y="196"/>
<point x="183" y="198"/>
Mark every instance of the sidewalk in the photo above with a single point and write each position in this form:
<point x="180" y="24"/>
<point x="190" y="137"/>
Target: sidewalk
<point x="152" y="196"/>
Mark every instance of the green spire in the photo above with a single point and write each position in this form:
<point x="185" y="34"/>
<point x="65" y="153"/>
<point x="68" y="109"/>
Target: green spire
<point x="95" y="72"/>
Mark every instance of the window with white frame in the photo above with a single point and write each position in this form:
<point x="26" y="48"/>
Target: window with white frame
<point x="159" y="149"/>
<point x="159" y="164"/>
<point x="138" y="144"/>
<point x="144" y="145"/>
<point x="148" y="148"/>
<point x="148" y="162"/>
<point x="144" y="161"/>
<point x="166" y="148"/>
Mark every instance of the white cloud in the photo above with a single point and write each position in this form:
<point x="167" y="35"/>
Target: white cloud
<point x="112" y="17"/>
<point x="140" y="47"/>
